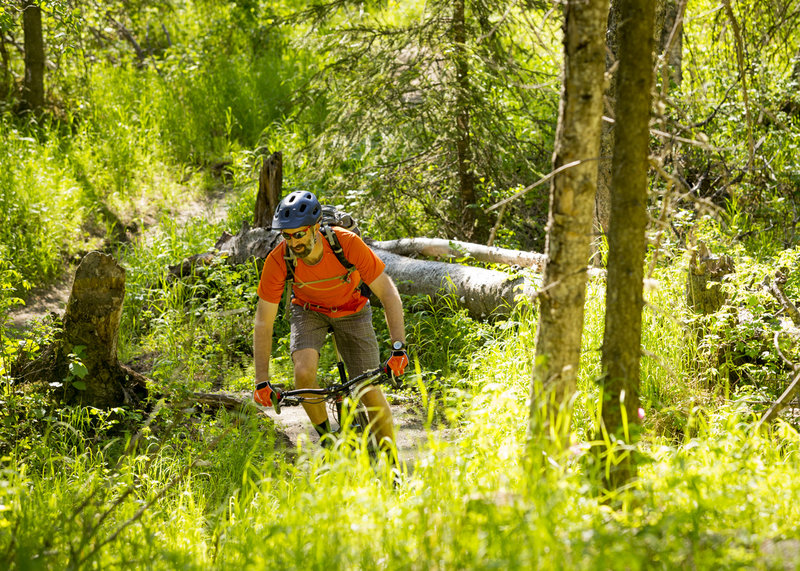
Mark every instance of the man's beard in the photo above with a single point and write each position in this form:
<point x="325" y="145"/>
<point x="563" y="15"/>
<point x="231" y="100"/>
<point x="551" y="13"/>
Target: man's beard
<point x="304" y="250"/>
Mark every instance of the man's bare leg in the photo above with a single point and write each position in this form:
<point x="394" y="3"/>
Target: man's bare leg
<point x="305" y="377"/>
<point x="380" y="415"/>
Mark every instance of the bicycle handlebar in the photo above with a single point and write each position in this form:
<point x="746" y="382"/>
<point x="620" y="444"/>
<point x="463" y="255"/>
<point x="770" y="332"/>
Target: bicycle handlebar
<point x="297" y="396"/>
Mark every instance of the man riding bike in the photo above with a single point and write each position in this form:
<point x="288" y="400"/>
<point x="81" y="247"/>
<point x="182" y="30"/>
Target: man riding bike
<point x="326" y="295"/>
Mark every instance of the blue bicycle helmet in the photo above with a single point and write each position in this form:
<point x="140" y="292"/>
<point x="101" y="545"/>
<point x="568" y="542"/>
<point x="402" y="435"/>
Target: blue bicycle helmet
<point x="297" y="209"/>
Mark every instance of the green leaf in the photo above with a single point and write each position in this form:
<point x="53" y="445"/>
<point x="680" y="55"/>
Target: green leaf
<point x="78" y="369"/>
<point x="80" y="385"/>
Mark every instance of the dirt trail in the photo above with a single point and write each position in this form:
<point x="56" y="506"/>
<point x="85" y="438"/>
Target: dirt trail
<point x="41" y="303"/>
<point x="52" y="299"/>
<point x="409" y="429"/>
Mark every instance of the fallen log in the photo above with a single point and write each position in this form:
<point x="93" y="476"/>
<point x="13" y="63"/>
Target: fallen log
<point x="235" y="249"/>
<point x="249" y="243"/>
<point x="781" y="403"/>
<point x="440" y="248"/>
<point x="775" y="288"/>
<point x="481" y="291"/>
<point x="454" y="249"/>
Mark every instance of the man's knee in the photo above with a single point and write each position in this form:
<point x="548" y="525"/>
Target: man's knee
<point x="305" y="367"/>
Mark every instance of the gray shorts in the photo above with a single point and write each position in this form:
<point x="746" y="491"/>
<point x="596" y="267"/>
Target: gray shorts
<point x="354" y="335"/>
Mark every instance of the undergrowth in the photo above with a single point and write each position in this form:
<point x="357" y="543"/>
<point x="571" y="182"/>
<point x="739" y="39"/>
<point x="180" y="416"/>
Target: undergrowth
<point x="169" y="487"/>
<point x="217" y="494"/>
<point x="164" y="488"/>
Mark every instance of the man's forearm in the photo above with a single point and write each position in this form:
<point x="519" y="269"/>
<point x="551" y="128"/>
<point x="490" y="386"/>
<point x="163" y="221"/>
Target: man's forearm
<point x="393" y="310"/>
<point x="384" y="288"/>
<point x="262" y="338"/>
<point x="262" y="349"/>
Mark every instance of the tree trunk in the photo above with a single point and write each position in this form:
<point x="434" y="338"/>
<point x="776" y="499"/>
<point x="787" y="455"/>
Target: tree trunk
<point x="83" y="360"/>
<point x="270" y="182"/>
<point x="33" y="92"/>
<point x="668" y="35"/>
<point x="753" y="197"/>
<point x="669" y="28"/>
<point x="5" y="81"/>
<point x="440" y="248"/>
<point x="91" y="321"/>
<point x="624" y="297"/>
<point x="704" y="292"/>
<point x="572" y="195"/>
<point x="466" y="177"/>
<point x="603" y="194"/>
<point x="789" y="105"/>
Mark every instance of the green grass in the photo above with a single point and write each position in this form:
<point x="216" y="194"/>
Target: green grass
<point x="719" y="499"/>
<point x="215" y="493"/>
<point x="41" y="203"/>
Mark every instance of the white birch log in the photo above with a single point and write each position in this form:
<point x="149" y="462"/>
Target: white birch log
<point x="439" y="248"/>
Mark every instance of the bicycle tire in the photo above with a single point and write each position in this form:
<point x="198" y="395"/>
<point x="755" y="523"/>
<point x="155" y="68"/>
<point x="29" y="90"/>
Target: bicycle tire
<point x="361" y="417"/>
<point x="359" y="420"/>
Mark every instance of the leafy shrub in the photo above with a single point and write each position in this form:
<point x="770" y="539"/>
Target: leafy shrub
<point x="748" y="344"/>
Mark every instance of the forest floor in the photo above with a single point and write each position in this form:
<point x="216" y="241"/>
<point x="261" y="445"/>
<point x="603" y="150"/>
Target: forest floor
<point x="51" y="301"/>
<point x="42" y="302"/>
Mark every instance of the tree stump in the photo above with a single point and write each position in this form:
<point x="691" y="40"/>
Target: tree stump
<point x="82" y="363"/>
<point x="270" y="181"/>
<point x="704" y="293"/>
<point x="91" y="328"/>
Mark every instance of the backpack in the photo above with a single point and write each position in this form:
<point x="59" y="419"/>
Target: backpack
<point x="331" y="216"/>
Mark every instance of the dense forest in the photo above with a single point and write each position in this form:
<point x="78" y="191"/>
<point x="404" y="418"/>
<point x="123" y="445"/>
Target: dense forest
<point x="630" y="405"/>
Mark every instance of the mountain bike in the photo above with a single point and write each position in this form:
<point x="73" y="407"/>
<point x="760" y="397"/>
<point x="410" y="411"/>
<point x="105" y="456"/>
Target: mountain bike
<point x="344" y="397"/>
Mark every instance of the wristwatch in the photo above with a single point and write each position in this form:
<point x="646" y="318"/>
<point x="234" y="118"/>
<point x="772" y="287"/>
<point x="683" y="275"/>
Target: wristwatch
<point x="398" y="345"/>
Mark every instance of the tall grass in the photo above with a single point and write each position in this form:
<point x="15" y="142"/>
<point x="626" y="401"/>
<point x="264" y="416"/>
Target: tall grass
<point x="40" y="200"/>
<point x="723" y="498"/>
<point x="193" y="332"/>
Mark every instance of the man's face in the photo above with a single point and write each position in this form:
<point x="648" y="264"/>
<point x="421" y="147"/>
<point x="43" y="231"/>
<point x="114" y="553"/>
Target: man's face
<point x="301" y="240"/>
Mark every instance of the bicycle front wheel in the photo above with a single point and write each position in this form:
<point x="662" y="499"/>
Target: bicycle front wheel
<point x="352" y="413"/>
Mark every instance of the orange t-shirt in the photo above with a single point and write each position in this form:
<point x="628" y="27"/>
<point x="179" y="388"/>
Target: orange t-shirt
<point x="322" y="286"/>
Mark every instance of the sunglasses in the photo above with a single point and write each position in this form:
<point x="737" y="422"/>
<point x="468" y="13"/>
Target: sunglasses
<point x="295" y="235"/>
